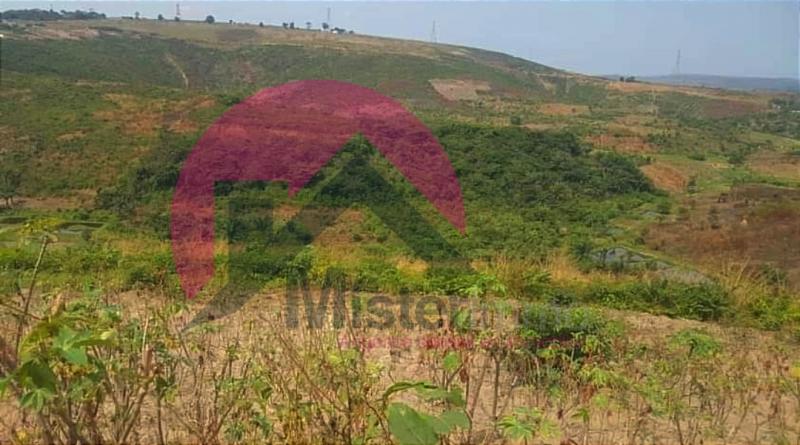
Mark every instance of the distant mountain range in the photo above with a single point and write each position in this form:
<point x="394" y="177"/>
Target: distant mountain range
<point x="727" y="82"/>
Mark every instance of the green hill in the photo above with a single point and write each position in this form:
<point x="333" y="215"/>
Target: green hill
<point x="98" y="115"/>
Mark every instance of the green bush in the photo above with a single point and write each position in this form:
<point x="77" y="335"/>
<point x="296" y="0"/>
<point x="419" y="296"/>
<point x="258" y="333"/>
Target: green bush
<point x="695" y="301"/>
<point x="564" y="337"/>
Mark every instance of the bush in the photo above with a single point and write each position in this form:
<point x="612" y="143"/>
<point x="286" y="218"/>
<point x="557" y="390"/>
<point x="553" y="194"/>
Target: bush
<point x="696" y="301"/>
<point x="571" y="333"/>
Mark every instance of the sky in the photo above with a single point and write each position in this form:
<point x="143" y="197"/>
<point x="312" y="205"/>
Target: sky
<point x="733" y="38"/>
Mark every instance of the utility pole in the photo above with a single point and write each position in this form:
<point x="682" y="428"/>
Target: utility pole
<point x="1" y="59"/>
<point x="178" y="10"/>
<point x="434" y="38"/>
<point x="328" y="17"/>
<point x="677" y="70"/>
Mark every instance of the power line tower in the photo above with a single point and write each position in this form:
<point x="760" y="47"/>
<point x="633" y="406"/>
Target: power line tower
<point x="677" y="70"/>
<point x="328" y="17"/>
<point x="434" y="38"/>
<point x="178" y="10"/>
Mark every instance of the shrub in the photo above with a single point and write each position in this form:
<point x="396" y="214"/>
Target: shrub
<point x="574" y="328"/>
<point x="696" y="301"/>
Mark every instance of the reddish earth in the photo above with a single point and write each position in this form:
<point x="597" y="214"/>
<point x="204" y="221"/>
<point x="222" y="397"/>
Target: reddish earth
<point x="752" y="224"/>
<point x="665" y="177"/>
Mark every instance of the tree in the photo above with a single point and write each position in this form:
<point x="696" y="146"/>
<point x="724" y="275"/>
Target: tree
<point x="177" y="19"/>
<point x="209" y="19"/>
<point x="261" y="24"/>
<point x="325" y="26"/>
<point x="161" y="17"/>
<point x="308" y="25"/>
<point x="10" y="179"/>
<point x="136" y="15"/>
<point x="291" y="25"/>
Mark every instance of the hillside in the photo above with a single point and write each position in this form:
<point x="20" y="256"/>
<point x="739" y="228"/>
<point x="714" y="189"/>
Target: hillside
<point x="597" y="207"/>
<point x="84" y="101"/>
<point x="729" y="82"/>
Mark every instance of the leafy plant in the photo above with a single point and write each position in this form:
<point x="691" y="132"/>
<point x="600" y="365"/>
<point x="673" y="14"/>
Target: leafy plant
<point x="412" y="427"/>
<point x="527" y="424"/>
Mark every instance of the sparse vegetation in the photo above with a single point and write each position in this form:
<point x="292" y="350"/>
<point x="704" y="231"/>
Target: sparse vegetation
<point x="628" y="273"/>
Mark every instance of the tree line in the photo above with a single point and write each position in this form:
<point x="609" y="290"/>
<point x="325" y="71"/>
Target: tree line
<point x="49" y="15"/>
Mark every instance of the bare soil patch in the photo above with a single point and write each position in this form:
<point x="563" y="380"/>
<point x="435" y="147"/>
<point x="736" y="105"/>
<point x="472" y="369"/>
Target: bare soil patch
<point x="460" y="89"/>
<point x="561" y="109"/>
<point x="665" y="176"/>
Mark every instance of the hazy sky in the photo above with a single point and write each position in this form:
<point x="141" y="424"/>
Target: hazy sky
<point x="597" y="37"/>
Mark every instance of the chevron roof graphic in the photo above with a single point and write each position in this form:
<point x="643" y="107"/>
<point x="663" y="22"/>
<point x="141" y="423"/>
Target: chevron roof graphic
<point x="286" y="134"/>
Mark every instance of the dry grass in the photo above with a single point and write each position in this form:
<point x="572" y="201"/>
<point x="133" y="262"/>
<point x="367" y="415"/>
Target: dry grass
<point x="665" y="177"/>
<point x="779" y="165"/>
<point x="559" y="266"/>
<point x="136" y="116"/>
<point x="561" y="109"/>
<point x="756" y="225"/>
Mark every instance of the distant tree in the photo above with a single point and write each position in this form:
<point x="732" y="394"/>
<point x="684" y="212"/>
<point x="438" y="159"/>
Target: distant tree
<point x="10" y="179"/>
<point x="285" y="25"/>
<point x="136" y="15"/>
<point x="325" y="26"/>
<point x="291" y="25"/>
<point x="230" y="22"/>
<point x="308" y="25"/>
<point x="161" y="17"/>
<point x="42" y="15"/>
<point x="713" y="218"/>
<point x="177" y="19"/>
<point x="630" y="79"/>
<point x="210" y="19"/>
<point x="261" y="24"/>
<point x="691" y="185"/>
<point x="737" y="157"/>
<point x="622" y="78"/>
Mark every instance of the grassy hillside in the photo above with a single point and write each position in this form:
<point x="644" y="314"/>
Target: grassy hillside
<point x="100" y="114"/>
<point x="589" y="202"/>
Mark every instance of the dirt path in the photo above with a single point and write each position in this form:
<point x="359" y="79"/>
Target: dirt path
<point x="171" y="60"/>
